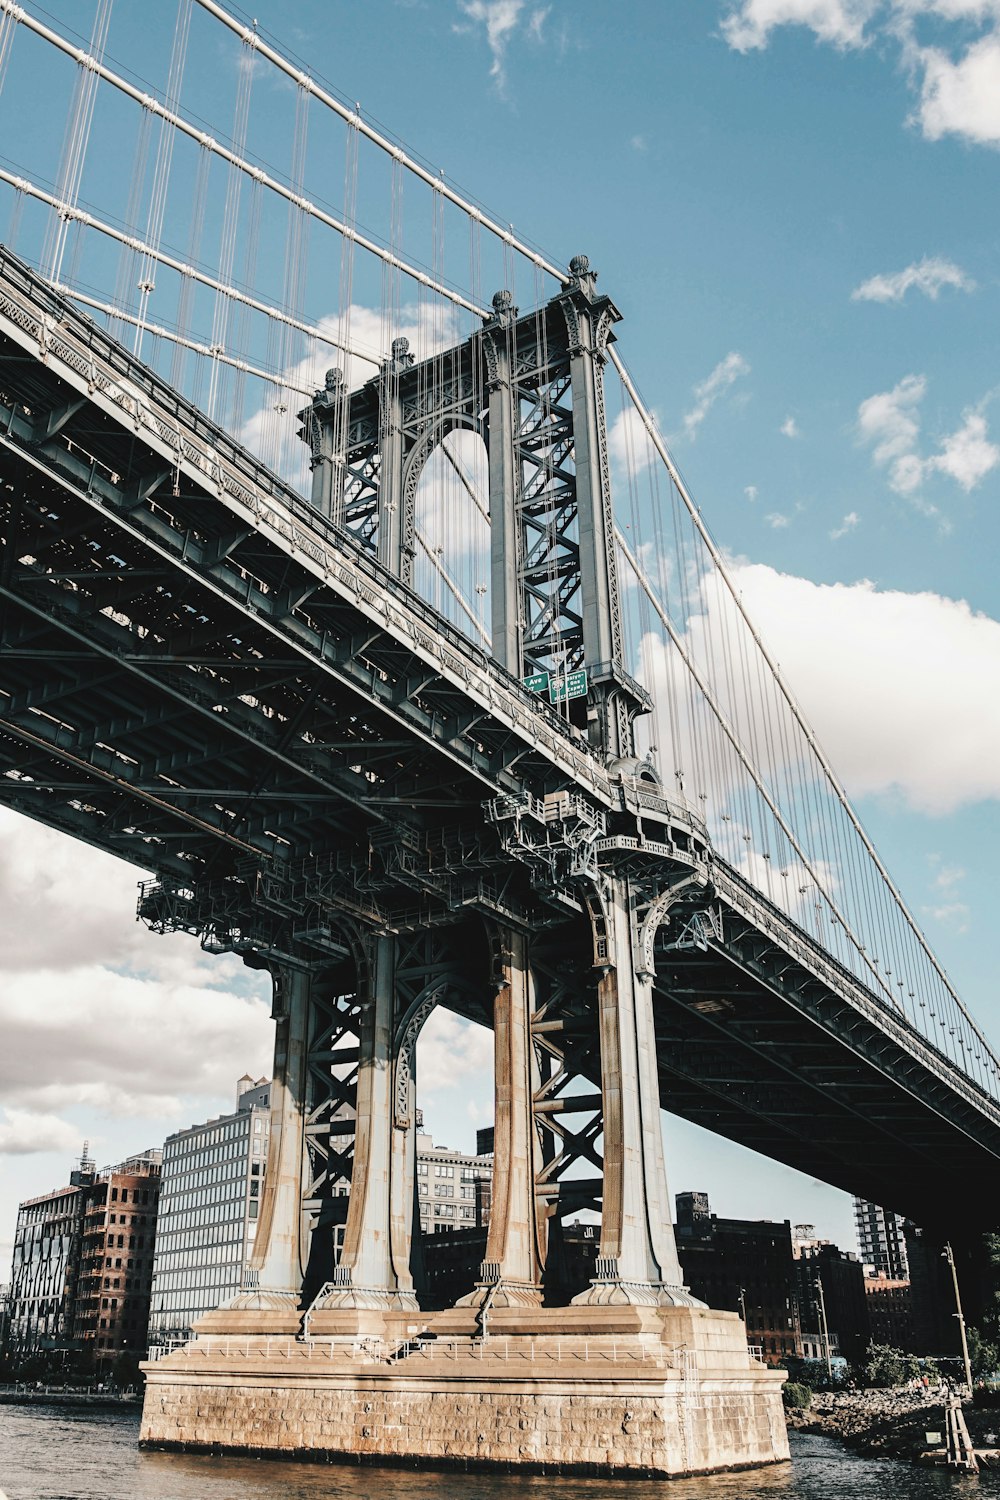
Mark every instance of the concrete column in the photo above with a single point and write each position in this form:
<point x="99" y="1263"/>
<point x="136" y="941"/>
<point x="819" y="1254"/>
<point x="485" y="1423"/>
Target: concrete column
<point x="372" y="1272"/>
<point x="637" y="1262"/>
<point x="510" y="1275"/>
<point x="280" y="1249"/>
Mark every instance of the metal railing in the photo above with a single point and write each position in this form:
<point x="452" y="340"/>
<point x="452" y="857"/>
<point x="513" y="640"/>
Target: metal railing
<point x="607" y="1349"/>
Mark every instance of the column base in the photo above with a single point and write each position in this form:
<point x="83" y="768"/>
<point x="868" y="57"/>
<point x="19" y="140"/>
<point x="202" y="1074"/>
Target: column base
<point x="263" y="1299"/>
<point x="609" y="1289"/>
<point x="341" y="1294"/>
<point x="502" y="1292"/>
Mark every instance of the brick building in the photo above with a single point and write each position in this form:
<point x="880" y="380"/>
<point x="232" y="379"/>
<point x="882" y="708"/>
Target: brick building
<point x="745" y="1266"/>
<point x="890" y="1312"/>
<point x="83" y="1257"/>
<point x="116" y="1259"/>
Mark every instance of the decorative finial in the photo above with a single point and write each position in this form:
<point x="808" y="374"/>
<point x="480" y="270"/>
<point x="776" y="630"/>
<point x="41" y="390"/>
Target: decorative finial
<point x="503" y="301"/>
<point x="400" y="348"/>
<point x="580" y="265"/>
<point x="333" y="379"/>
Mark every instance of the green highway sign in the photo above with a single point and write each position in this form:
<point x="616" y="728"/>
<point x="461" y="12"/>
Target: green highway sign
<point x="538" y="682"/>
<point x="573" y="685"/>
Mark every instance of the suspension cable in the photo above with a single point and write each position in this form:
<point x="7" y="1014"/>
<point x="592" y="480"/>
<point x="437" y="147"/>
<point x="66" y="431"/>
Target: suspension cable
<point x="717" y="558"/>
<point x="353" y="117"/>
<point x="91" y="221"/>
<point x="100" y="70"/>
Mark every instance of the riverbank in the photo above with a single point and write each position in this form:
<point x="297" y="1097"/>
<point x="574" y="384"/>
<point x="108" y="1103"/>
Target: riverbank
<point x="890" y="1424"/>
<point x="57" y="1395"/>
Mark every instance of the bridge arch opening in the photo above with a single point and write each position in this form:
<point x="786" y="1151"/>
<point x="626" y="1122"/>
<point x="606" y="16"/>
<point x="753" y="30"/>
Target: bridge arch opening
<point x="448" y="479"/>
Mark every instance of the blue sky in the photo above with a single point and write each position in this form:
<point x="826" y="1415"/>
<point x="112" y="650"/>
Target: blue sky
<point x="794" y="204"/>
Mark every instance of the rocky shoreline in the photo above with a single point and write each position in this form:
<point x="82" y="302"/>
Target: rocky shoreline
<point x="892" y="1424"/>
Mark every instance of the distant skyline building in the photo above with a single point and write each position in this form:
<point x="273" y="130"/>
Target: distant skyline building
<point x="82" y="1263"/>
<point x="831" y="1297"/>
<point x="881" y="1239"/>
<point x="116" y="1258"/>
<point x="212" y="1182"/>
<point x="745" y="1266"/>
<point x="44" y="1272"/>
<point x="453" y="1187"/>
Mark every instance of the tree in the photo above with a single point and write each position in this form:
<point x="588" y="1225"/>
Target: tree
<point x="984" y="1355"/>
<point x="886" y="1366"/>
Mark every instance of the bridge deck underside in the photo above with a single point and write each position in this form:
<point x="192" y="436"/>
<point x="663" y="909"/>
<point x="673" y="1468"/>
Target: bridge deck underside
<point x="806" y="1081"/>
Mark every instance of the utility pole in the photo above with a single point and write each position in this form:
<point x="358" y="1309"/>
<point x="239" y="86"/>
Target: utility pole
<point x="949" y="1256"/>
<point x="823" y="1325"/>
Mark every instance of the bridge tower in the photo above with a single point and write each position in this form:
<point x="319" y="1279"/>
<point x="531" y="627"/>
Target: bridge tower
<point x="532" y="387"/>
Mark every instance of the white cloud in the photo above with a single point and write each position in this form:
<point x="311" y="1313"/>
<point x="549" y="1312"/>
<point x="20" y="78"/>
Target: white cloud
<point x="840" y="22"/>
<point x="452" y="1053"/>
<point x="962" y="98"/>
<point x="789" y="428"/>
<point x="501" y="19"/>
<point x="947" y="906"/>
<point x="950" y="10"/>
<point x="629" y="443"/>
<point x="890" y="422"/>
<point x="959" y="86"/>
<point x="777" y="520"/>
<point x="708" y="392"/>
<point x="928" y="276"/>
<point x="892" y="683"/>
<point x="751" y="492"/>
<point x="25" y="1132"/>
<point x="95" y="1010"/>
<point x="639" y="143"/>
<point x="967" y="455"/>
<point x="848" y="524"/>
<point x="125" y="1044"/>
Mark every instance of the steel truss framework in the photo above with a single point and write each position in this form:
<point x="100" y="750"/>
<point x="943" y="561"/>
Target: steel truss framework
<point x="213" y="679"/>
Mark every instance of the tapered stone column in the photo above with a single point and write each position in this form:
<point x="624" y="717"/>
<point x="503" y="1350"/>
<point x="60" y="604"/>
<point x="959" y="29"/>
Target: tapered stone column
<point x="637" y="1262"/>
<point x="510" y="1275"/>
<point x="274" y="1277"/>
<point x="373" y="1271"/>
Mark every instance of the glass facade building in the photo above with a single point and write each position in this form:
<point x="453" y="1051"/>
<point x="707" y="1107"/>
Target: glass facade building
<point x="44" y="1272"/>
<point x="209" y="1201"/>
<point x="882" y="1239"/>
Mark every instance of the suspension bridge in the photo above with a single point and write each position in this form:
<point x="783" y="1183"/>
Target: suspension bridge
<point x="349" y="590"/>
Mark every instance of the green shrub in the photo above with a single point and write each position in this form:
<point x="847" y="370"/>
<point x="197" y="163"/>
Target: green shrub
<point x="796" y="1396"/>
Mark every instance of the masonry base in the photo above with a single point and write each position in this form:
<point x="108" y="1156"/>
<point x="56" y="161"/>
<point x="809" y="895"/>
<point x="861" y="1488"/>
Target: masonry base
<point x="657" y="1392"/>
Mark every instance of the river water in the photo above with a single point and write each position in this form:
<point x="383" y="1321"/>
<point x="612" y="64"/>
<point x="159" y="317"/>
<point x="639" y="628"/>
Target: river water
<point x="63" y="1453"/>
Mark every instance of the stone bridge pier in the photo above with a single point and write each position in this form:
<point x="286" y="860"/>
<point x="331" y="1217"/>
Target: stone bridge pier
<point x="326" y="1350"/>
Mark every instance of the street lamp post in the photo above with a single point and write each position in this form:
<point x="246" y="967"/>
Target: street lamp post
<point x="949" y="1256"/>
<point x="823" y="1325"/>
